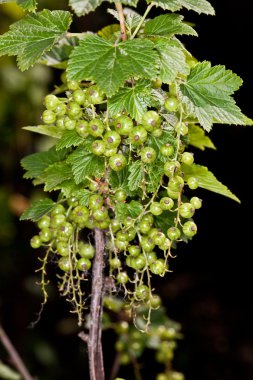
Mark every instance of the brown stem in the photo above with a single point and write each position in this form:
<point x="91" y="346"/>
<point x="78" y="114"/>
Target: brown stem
<point x="115" y="366"/>
<point x="96" y="364"/>
<point x="119" y="9"/>
<point x="14" y="355"/>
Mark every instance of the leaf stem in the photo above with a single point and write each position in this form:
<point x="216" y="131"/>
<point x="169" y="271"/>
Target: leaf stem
<point x="142" y="20"/>
<point x="119" y="9"/>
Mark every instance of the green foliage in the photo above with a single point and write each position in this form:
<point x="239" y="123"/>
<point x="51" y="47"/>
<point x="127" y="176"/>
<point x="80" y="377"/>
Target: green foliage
<point x="168" y="25"/>
<point x="28" y="5"/>
<point x="38" y="209"/>
<point x="199" y="6"/>
<point x="30" y="37"/>
<point x="198" y="138"/>
<point x="8" y="373"/>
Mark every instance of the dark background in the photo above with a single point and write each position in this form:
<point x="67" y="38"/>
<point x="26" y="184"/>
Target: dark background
<point x="210" y="289"/>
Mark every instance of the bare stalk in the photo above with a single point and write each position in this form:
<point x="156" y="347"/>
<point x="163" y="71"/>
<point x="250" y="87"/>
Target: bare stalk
<point x="96" y="364"/>
<point x="14" y="355"/>
<point x="119" y="9"/>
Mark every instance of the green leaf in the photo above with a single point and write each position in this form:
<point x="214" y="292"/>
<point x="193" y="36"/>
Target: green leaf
<point x="83" y="7"/>
<point x="134" y="100"/>
<point x="207" y="180"/>
<point x="199" y="6"/>
<point x="157" y="142"/>
<point x="165" y="220"/>
<point x="83" y="196"/>
<point x="132" y="209"/>
<point x="38" y="209"/>
<point x="68" y="188"/>
<point x="36" y="163"/>
<point x="56" y="174"/>
<point x="119" y="180"/>
<point x="85" y="164"/>
<point x="47" y="130"/>
<point x="7" y="372"/>
<point x="110" y="32"/>
<point x="208" y="85"/>
<point x="36" y="33"/>
<point x="136" y="175"/>
<point x="198" y="138"/>
<point x="58" y="56"/>
<point x="28" y="5"/>
<point x="168" y="25"/>
<point x="172" y="60"/>
<point x="154" y="175"/>
<point x="69" y="138"/>
<point x="108" y="65"/>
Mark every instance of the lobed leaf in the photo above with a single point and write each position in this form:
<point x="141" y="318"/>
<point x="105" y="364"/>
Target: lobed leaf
<point x="108" y="65"/>
<point x="83" y="7"/>
<point x="47" y="130"/>
<point x="168" y="25"/>
<point x="198" y="139"/>
<point x="207" y="180"/>
<point x="31" y="36"/>
<point x="199" y="6"/>
<point x="56" y="174"/>
<point x="136" y="175"/>
<point x="28" y="5"/>
<point x="38" y="209"/>
<point x="69" y="139"/>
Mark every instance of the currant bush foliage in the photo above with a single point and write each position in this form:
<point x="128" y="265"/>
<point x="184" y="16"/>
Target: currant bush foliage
<point x="124" y="121"/>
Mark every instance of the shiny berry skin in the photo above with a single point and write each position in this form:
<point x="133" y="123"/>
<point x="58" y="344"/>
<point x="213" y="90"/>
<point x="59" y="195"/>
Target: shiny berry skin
<point x="48" y="117"/>
<point x="115" y="225"/>
<point x="117" y="162"/>
<point x="35" y="242"/>
<point x="166" y="203"/>
<point x="79" y="96"/>
<point x="69" y="124"/>
<point x="45" y="235"/>
<point x="120" y="195"/>
<point x="73" y="85"/>
<point x="122" y="235"/>
<point x="142" y="292"/>
<point x="80" y="215"/>
<point x="96" y="127"/>
<point x="189" y="228"/>
<point x="192" y="183"/>
<point x="83" y="264"/>
<point x="62" y="248"/>
<point x="65" y="230"/>
<point x="159" y="238"/>
<point x="74" y="110"/>
<point x="58" y="209"/>
<point x="60" y="122"/>
<point x="112" y="139"/>
<point x="98" y="147"/>
<point x="134" y="250"/>
<point x="186" y="210"/>
<point x="138" y="262"/>
<point x="138" y="135"/>
<point x="173" y="233"/>
<point x="171" y="168"/>
<point x="155" y="301"/>
<point x="171" y="104"/>
<point x="51" y="102"/>
<point x="123" y="125"/>
<point x="147" y="244"/>
<point x="181" y="128"/>
<point x="109" y="152"/>
<point x="95" y="202"/>
<point x="57" y="220"/>
<point x="151" y="120"/>
<point x="64" y="264"/>
<point x="121" y="245"/>
<point x="122" y="278"/>
<point x="187" y="158"/>
<point x="148" y="218"/>
<point x="156" y="208"/>
<point x="151" y="257"/>
<point x="165" y="245"/>
<point x="94" y="95"/>
<point x="144" y="226"/>
<point x="167" y="150"/>
<point x="115" y="263"/>
<point x="100" y="214"/>
<point x="158" y="267"/>
<point x="173" y="194"/>
<point x="176" y="183"/>
<point x="196" y="202"/>
<point x="82" y="128"/>
<point x="157" y="132"/>
<point x="60" y="110"/>
<point x="148" y="155"/>
<point x="44" y="222"/>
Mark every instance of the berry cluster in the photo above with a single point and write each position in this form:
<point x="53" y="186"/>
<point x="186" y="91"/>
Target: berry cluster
<point x="137" y="245"/>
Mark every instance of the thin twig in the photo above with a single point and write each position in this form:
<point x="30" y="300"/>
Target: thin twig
<point x="119" y="9"/>
<point x="115" y="366"/>
<point x="14" y="355"/>
<point x="96" y="364"/>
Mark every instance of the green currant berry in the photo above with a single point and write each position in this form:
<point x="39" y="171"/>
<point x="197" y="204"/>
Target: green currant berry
<point x="155" y="301"/>
<point x="193" y="183"/>
<point x="173" y="233"/>
<point x="120" y="195"/>
<point x="128" y="221"/>
<point x="173" y="89"/>
<point x="83" y="264"/>
<point x="51" y="102"/>
<point x="48" y="117"/>
<point x="167" y="150"/>
<point x="147" y="244"/>
<point x="121" y="245"/>
<point x="45" y="235"/>
<point x="157" y="83"/>
<point x="96" y="127"/>
<point x="123" y="125"/>
<point x="142" y="292"/>
<point x="80" y="215"/>
<point x="95" y="202"/>
<point x="64" y="264"/>
<point x="176" y="183"/>
<point x="159" y="238"/>
<point x="122" y="278"/>
<point x="72" y="85"/>
<point x="157" y="132"/>
<point x="172" y="194"/>
<point x="148" y="155"/>
<point x="100" y="214"/>
<point x="196" y="202"/>
<point x="171" y="104"/>
<point x="131" y="233"/>
<point x="58" y="209"/>
<point x="144" y="226"/>
<point x="153" y="232"/>
<point x="69" y="123"/>
<point x="115" y="263"/>
<point x="151" y="120"/>
<point x="60" y="123"/>
<point x="72" y="201"/>
<point x="44" y="222"/>
<point x="82" y="128"/>
<point x="158" y="267"/>
<point x="187" y="158"/>
<point x="74" y="110"/>
<point x="156" y="208"/>
<point x="112" y="139"/>
<point x="148" y="218"/>
<point x="166" y="203"/>
<point x="165" y="245"/>
<point x="98" y="147"/>
<point x="65" y="230"/>
<point x="60" y="110"/>
<point x="103" y="224"/>
<point x="138" y="135"/>
<point x="117" y="162"/>
<point x="134" y="250"/>
<point x="79" y="96"/>
<point x="57" y="220"/>
<point x="129" y="260"/>
<point x="115" y="225"/>
<point x="186" y="210"/>
<point x="109" y="152"/>
<point x="124" y="358"/>
<point x="190" y="228"/>
<point x="95" y="95"/>
<point x="171" y="168"/>
<point x="161" y="376"/>
<point x="151" y="257"/>
<point x="35" y="242"/>
<point x="62" y="248"/>
<point x="181" y="128"/>
<point x="122" y="235"/>
<point x="138" y="262"/>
